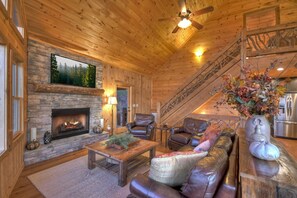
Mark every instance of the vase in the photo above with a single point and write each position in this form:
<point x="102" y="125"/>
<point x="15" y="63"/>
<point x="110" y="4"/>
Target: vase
<point x="256" y="128"/>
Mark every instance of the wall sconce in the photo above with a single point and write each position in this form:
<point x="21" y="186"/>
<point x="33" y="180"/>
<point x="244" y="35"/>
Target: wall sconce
<point x="112" y="101"/>
<point x="104" y="99"/>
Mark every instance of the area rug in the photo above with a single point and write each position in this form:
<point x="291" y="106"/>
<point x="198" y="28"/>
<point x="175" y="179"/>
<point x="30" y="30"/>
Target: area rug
<point x="73" y="179"/>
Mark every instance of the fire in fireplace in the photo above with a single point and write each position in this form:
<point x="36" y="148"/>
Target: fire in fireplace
<point x="70" y="122"/>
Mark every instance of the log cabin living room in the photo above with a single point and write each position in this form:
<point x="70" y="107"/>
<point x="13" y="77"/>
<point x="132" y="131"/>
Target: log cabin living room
<point x="142" y="98"/>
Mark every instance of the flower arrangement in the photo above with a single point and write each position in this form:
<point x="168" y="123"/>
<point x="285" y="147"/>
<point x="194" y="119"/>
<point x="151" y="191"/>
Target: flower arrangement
<point x="253" y="93"/>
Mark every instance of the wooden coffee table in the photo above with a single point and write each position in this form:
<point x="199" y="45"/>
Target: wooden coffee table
<point x="120" y="156"/>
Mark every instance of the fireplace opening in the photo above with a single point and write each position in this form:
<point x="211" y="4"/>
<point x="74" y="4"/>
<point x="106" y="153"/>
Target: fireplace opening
<point x="70" y="122"/>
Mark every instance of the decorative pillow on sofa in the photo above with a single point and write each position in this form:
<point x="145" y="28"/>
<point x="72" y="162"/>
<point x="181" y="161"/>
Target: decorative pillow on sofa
<point x="204" y="146"/>
<point x="173" y="170"/>
<point x="212" y="133"/>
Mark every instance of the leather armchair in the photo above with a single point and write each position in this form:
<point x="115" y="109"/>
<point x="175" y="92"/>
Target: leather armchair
<point x="143" y="126"/>
<point x="183" y="135"/>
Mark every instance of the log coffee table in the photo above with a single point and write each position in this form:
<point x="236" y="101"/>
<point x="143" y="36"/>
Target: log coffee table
<point x="120" y="156"/>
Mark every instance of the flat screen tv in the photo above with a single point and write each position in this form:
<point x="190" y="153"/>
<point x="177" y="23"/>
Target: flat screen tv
<point x="71" y="72"/>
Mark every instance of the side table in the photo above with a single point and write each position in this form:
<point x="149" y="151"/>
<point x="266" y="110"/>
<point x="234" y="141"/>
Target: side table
<point x="163" y="129"/>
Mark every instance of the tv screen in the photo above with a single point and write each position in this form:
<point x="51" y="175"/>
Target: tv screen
<point x="71" y="72"/>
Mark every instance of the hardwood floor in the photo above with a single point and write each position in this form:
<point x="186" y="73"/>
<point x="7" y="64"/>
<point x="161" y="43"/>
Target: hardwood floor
<point x="25" y="189"/>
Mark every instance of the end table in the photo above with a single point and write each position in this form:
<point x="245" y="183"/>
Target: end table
<point x="163" y="129"/>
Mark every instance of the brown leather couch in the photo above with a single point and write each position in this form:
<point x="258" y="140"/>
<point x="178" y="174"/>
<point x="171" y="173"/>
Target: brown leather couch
<point x="143" y="126"/>
<point x="216" y="175"/>
<point x="181" y="136"/>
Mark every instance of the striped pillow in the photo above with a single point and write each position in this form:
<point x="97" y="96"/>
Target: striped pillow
<point x="173" y="170"/>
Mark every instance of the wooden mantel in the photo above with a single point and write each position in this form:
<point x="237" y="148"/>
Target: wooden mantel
<point x="66" y="89"/>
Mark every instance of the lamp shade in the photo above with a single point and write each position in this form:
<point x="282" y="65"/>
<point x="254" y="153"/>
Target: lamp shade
<point x="112" y="100"/>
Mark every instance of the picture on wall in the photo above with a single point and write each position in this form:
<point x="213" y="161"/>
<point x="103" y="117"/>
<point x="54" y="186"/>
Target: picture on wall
<point x="72" y="72"/>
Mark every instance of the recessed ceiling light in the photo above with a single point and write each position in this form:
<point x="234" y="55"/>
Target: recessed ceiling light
<point x="280" y="69"/>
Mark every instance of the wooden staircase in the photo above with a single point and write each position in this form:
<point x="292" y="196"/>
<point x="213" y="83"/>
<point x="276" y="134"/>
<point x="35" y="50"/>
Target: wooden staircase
<point x="197" y="90"/>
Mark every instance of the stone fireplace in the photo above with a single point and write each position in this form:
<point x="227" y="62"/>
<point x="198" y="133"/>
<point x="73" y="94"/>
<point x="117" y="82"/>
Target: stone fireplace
<point x="69" y="117"/>
<point x="70" y="122"/>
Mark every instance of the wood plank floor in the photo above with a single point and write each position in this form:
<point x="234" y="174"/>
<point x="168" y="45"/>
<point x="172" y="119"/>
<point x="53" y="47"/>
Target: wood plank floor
<point x="25" y="189"/>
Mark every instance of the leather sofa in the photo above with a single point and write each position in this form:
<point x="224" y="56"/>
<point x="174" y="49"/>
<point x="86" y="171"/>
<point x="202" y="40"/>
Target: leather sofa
<point x="143" y="126"/>
<point x="181" y="136"/>
<point x="215" y="175"/>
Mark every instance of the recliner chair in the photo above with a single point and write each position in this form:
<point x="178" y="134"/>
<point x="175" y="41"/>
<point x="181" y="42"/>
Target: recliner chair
<point x="181" y="136"/>
<point x="143" y="126"/>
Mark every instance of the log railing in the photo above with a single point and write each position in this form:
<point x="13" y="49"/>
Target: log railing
<point x="272" y="40"/>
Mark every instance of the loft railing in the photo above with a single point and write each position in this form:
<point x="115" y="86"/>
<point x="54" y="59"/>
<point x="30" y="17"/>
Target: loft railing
<point x="210" y="69"/>
<point x="272" y="40"/>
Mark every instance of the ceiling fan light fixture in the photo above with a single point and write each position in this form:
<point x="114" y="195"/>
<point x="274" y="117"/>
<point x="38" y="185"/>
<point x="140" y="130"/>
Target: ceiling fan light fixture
<point x="184" y="23"/>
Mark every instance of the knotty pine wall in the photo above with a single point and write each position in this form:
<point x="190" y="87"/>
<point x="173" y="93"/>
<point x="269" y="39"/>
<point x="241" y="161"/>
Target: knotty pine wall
<point x="220" y="29"/>
<point x="141" y="86"/>
<point x="208" y="107"/>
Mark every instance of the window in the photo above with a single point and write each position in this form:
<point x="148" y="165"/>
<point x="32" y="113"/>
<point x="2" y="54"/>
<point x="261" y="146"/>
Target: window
<point x="262" y="18"/>
<point x="3" y="110"/>
<point x="16" y="16"/>
<point x="17" y="97"/>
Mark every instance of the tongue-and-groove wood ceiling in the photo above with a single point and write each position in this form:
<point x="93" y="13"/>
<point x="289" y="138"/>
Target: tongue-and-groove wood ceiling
<point x="122" y="33"/>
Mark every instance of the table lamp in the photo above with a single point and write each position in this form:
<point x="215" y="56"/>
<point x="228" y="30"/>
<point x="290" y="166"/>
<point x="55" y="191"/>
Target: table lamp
<point x="112" y="101"/>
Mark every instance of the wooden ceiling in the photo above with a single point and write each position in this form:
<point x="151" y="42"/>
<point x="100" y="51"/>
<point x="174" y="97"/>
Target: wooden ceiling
<point x="125" y="34"/>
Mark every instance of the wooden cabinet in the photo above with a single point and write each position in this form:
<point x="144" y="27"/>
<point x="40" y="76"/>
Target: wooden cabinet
<point x="260" y="178"/>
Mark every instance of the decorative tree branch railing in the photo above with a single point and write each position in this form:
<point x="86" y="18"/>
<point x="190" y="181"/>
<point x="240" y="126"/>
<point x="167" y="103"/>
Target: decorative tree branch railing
<point x="210" y="69"/>
<point x="272" y="40"/>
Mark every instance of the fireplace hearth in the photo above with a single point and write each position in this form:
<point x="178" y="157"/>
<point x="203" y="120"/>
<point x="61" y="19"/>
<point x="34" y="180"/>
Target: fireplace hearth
<point x="70" y="122"/>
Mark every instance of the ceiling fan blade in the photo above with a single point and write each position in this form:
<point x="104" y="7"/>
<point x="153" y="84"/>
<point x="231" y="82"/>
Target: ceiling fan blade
<point x="175" y="29"/>
<point x="197" y="25"/>
<point x="168" y="18"/>
<point x="203" y="11"/>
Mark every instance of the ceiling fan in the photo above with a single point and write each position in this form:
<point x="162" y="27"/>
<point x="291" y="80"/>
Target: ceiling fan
<point x="185" y="16"/>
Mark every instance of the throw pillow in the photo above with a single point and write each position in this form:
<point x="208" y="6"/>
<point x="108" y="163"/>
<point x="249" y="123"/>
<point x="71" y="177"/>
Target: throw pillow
<point x="173" y="170"/>
<point x="204" y="146"/>
<point x="211" y="134"/>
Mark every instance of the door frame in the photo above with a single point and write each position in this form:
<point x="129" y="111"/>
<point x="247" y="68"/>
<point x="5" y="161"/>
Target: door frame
<point x="130" y="112"/>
